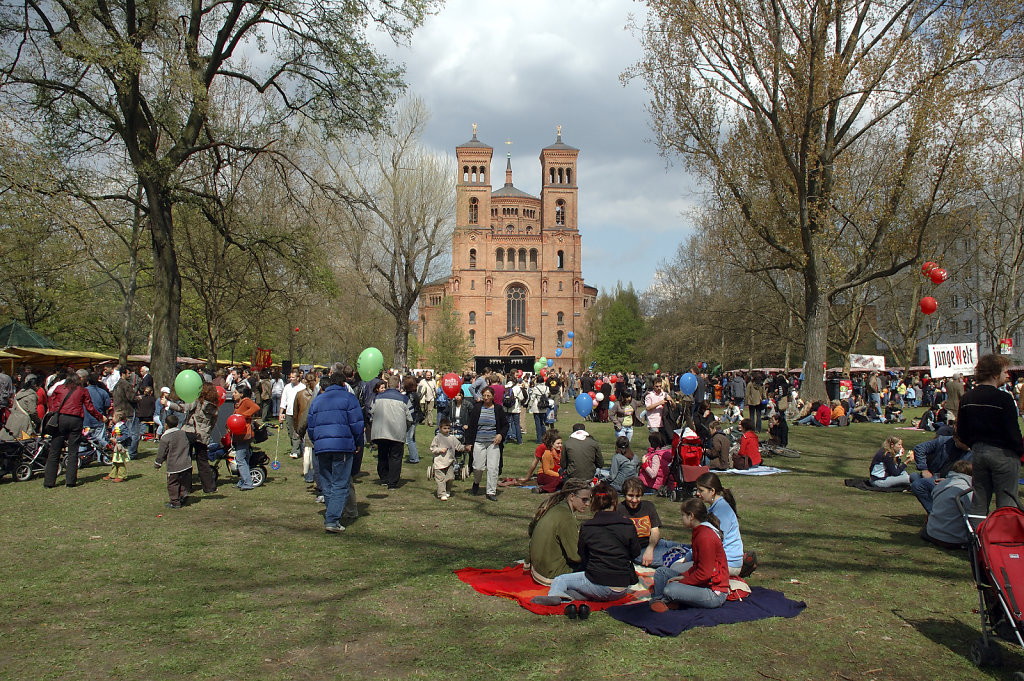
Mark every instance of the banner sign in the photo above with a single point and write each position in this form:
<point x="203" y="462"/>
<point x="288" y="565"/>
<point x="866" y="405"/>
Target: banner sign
<point x="1006" y="346"/>
<point x="952" y="358"/>
<point x="845" y="388"/>
<point x="873" y="362"/>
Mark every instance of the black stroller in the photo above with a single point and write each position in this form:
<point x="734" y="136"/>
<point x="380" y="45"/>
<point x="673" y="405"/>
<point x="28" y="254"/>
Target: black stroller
<point x="997" y="563"/>
<point x="220" y="448"/>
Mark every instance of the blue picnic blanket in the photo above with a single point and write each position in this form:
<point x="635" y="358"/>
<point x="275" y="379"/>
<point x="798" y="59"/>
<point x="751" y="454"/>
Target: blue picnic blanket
<point x="760" y="604"/>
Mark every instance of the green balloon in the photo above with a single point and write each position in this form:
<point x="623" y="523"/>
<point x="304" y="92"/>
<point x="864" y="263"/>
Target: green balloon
<point x="369" y="363"/>
<point x="537" y="366"/>
<point x="655" y="366"/>
<point x="543" y="362"/>
<point x="188" y="384"/>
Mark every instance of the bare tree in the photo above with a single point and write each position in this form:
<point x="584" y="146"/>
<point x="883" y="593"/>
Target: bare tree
<point x="140" y="77"/>
<point x="827" y="124"/>
<point x="395" y="214"/>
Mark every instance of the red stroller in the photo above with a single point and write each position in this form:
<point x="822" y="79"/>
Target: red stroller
<point x="997" y="561"/>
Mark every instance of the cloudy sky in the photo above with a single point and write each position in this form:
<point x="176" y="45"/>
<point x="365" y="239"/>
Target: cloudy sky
<point x="520" y="69"/>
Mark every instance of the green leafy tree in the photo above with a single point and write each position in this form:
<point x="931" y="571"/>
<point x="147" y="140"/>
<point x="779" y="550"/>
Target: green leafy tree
<point x="448" y="346"/>
<point x="616" y="329"/>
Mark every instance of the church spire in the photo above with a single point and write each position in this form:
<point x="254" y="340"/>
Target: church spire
<point x="508" y="164"/>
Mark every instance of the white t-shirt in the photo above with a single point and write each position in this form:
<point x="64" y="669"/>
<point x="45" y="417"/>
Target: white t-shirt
<point x="288" y="398"/>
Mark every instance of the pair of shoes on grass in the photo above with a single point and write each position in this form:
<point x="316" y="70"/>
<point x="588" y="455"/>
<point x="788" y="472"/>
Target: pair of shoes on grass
<point x="661" y="605"/>
<point x="336" y="528"/>
<point x="581" y="611"/>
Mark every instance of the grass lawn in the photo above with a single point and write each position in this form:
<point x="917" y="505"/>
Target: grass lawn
<point x="103" y="582"/>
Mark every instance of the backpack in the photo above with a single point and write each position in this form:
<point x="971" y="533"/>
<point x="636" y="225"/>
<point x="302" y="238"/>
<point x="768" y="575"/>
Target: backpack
<point x="543" y="403"/>
<point x="741" y="462"/>
<point x="509" y="401"/>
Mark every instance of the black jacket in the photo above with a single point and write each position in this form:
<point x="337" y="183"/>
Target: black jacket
<point x="608" y="543"/>
<point x="473" y="422"/>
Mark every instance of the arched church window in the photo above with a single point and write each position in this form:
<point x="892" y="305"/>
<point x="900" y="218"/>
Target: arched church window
<point x="560" y="212"/>
<point x="511" y="258"/>
<point x="522" y="258"/>
<point x="474" y="211"/>
<point x="472" y="317"/>
<point x="561" y="260"/>
<point x="515" y="297"/>
<point x="472" y="258"/>
<point x="561" y="319"/>
<point x="499" y="259"/>
<point x="561" y="337"/>
<point x="533" y="258"/>
<point x="465" y="173"/>
<point x="472" y="337"/>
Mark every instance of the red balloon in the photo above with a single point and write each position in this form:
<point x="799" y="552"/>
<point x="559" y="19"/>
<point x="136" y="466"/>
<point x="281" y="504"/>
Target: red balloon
<point x="236" y="424"/>
<point x="296" y="329"/>
<point x="519" y="373"/>
<point x="938" y="275"/>
<point x="612" y="379"/>
<point x="929" y="305"/>
<point x="928" y="267"/>
<point x="543" y="374"/>
<point x="451" y="384"/>
<point x="591" y="393"/>
<point x="598" y="383"/>
<point x="221" y="395"/>
<point x="611" y="398"/>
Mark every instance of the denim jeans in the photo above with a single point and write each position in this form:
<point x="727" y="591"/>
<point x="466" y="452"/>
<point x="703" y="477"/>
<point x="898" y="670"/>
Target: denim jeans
<point x="538" y="421"/>
<point x="660" y="549"/>
<point x="695" y="596"/>
<point x="335" y="470"/>
<point x="575" y="585"/>
<point x="922" y="488"/>
<point x="996" y="473"/>
<point x="242" y="462"/>
<point x="515" y="428"/>
<point x="663" y="574"/>
<point x="135" y="428"/>
<point x="892" y="481"/>
<point x="627" y="432"/>
<point x="410" y="441"/>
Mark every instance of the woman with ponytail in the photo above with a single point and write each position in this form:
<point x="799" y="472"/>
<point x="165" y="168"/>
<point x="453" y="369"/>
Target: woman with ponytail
<point x="702" y="582"/>
<point x="607" y="544"/>
<point x="722" y="504"/>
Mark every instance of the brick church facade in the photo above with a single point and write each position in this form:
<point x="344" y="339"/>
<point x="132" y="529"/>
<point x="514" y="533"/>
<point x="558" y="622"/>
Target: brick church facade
<point x="516" y="277"/>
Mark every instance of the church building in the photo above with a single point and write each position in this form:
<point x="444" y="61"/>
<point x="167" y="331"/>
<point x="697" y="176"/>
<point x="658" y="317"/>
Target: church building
<point x="516" y="277"/>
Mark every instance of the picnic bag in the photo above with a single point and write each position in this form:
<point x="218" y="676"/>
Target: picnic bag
<point x="742" y="462"/>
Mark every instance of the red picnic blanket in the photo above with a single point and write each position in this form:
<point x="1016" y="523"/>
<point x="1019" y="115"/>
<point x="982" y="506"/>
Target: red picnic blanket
<point x="515" y="583"/>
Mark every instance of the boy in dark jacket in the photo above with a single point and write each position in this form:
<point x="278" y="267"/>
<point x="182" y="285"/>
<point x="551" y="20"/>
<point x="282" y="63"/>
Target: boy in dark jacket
<point x="174" y="448"/>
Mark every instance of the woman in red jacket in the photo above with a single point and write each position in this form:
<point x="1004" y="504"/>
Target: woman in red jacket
<point x="704" y="582"/>
<point x="749" y="444"/>
<point x="70" y="401"/>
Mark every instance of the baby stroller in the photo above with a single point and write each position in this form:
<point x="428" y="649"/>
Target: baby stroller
<point x="997" y="562"/>
<point x="223" y="451"/>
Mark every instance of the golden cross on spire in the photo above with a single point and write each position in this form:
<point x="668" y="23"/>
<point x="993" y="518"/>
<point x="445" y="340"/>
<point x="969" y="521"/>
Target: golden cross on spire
<point x="474" y="130"/>
<point x="559" y="131"/>
<point x="508" y="143"/>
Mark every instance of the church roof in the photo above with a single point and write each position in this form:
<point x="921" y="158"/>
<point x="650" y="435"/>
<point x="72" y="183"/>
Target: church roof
<point x="474" y="142"/>
<point x="560" y="145"/>
<point x="508" y="191"/>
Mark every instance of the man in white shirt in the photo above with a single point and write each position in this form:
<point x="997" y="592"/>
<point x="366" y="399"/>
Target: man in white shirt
<point x="427" y="390"/>
<point x="287" y="413"/>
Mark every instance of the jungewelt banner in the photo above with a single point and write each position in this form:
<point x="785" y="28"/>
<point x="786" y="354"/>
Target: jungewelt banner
<point x="952" y="358"/>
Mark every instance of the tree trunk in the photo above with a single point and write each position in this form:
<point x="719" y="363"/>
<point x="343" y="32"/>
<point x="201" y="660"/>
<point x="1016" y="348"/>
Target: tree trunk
<point x="166" y="286"/>
<point x="815" y="343"/>
<point x="401" y="341"/>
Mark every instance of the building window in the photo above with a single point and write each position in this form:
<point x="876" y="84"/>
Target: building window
<point x="472" y="258"/>
<point x="954" y="327"/>
<point x="955" y="301"/>
<point x="472" y="336"/>
<point x="561" y="319"/>
<point x="559" y="286"/>
<point x="568" y="175"/>
<point x="465" y="173"/>
<point x="561" y="262"/>
<point x="560" y="212"/>
<point x="511" y="230"/>
<point x="499" y="259"/>
<point x="472" y="284"/>
<point x="522" y="258"/>
<point x="560" y="177"/>
<point x="533" y="256"/>
<point x="561" y="336"/>
<point x="529" y="229"/>
<point x="516" y="309"/>
<point x="551" y="172"/>
<point x="472" y="317"/>
<point x="969" y="326"/>
<point x="474" y="214"/>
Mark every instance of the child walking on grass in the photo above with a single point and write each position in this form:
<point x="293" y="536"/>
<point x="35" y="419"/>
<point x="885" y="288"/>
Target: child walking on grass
<point x="443" y="447"/>
<point x="119" y="457"/>
<point x="174" y="449"/>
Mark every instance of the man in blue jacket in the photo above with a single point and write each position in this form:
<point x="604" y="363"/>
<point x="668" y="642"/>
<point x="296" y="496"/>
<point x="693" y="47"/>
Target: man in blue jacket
<point x="935" y="459"/>
<point x="334" y="423"/>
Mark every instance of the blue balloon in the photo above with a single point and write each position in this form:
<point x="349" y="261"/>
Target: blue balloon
<point x="568" y="344"/>
<point x="584" y="405"/>
<point x="558" y="352"/>
<point x="570" y="334"/>
<point x="551" y="362"/>
<point x="687" y="383"/>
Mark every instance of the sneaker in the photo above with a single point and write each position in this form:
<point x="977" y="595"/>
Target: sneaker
<point x="492" y="497"/>
<point x="334" y="529"/>
<point x="294" y="456"/>
<point x="749" y="563"/>
<point x="320" y="499"/>
<point x="583" y="611"/>
<point x="170" y="505"/>
<point x="658" y="605"/>
<point x="571" y="611"/>
<point x="444" y="497"/>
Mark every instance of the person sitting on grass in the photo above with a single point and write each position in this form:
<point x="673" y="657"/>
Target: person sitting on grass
<point x="778" y="431"/>
<point x="749" y="444"/>
<point x="703" y="581"/>
<point x="719" y="457"/>
<point x="821" y="415"/>
<point x="893" y="412"/>
<point x="624" y="465"/>
<point x="645" y="518"/>
<point x="549" y="478"/>
<point x="655" y="464"/>
<point x="722" y="504"/>
<point x="555" y="533"/>
<point x="732" y="413"/>
<point x="538" y="453"/>
<point x="945" y="526"/>
<point x="889" y="467"/>
<point x="607" y="544"/>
